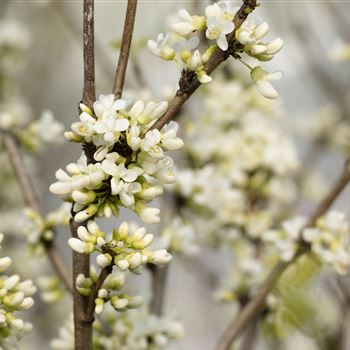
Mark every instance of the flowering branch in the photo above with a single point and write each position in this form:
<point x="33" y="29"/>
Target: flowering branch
<point x="254" y="306"/>
<point x="189" y="83"/>
<point x="125" y="48"/>
<point x="12" y="149"/>
<point x="81" y="262"/>
<point x="159" y="277"/>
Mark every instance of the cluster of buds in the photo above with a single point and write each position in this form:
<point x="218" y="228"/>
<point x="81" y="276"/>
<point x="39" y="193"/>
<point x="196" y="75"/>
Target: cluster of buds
<point x="127" y="164"/>
<point x="181" y="45"/>
<point x="328" y="239"/>
<point x="41" y="229"/>
<point x="110" y="292"/>
<point x="15" y="295"/>
<point x="125" y="247"/>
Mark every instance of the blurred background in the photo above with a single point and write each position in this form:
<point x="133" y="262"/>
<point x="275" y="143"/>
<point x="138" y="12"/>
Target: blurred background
<point x="52" y="79"/>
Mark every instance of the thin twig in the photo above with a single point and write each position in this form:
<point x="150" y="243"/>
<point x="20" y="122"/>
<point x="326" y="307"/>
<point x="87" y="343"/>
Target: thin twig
<point x="125" y="48"/>
<point x="12" y="148"/>
<point x="186" y="90"/>
<point x="253" y="308"/>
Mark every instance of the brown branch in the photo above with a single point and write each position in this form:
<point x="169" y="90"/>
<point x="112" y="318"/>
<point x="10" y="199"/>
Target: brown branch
<point x="81" y="262"/>
<point x="82" y="329"/>
<point x="188" y="88"/>
<point x="12" y="148"/>
<point x="253" y="308"/>
<point x="89" y="96"/>
<point x="125" y="48"/>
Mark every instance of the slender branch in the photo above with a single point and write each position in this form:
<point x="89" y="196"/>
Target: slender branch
<point x="82" y="329"/>
<point x="253" y="308"/>
<point x="12" y="148"/>
<point x="81" y="262"/>
<point x="125" y="48"/>
<point x="89" y="96"/>
<point x="187" y="88"/>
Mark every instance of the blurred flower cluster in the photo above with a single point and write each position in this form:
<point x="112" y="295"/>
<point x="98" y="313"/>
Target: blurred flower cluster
<point x="15" y="295"/>
<point x="129" y="331"/>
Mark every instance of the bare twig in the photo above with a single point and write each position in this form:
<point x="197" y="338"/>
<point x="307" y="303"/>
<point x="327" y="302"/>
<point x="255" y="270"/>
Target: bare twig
<point x="187" y="88"/>
<point x="89" y="96"/>
<point x="125" y="48"/>
<point x="12" y="148"/>
<point x="253" y="308"/>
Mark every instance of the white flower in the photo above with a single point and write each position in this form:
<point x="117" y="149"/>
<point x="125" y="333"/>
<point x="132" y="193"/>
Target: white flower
<point x="188" y="23"/>
<point x="219" y="24"/>
<point x="110" y="127"/>
<point x="107" y="106"/>
<point x="161" y="47"/>
<point x="262" y="81"/>
<point x="85" y="127"/>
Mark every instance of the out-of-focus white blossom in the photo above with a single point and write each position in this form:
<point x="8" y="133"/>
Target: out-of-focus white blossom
<point x="330" y="240"/>
<point x="128" y="331"/>
<point x="16" y="295"/>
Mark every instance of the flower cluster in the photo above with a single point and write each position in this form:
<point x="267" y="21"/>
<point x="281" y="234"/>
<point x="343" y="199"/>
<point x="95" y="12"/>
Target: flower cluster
<point x="181" y="45"/>
<point x="127" y="164"/>
<point x="128" y="331"/>
<point x="110" y="292"/>
<point x="15" y="295"/>
<point x="41" y="229"/>
<point x="124" y="248"/>
<point x="328" y="239"/>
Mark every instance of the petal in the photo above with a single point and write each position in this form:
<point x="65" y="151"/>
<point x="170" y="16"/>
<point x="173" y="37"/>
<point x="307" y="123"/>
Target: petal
<point x="121" y="124"/>
<point x="136" y="109"/>
<point x="222" y="42"/>
<point x="183" y="14"/>
<point x="119" y="104"/>
<point x="109" y="167"/>
<point x="275" y="76"/>
<point x="266" y="89"/>
<point x="183" y="28"/>
<point x="130" y="175"/>
<point x="213" y="11"/>
<point x="100" y="127"/>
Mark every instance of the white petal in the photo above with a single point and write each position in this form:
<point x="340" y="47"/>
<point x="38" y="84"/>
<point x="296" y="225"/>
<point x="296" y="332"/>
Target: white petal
<point x="122" y="124"/>
<point x="222" y="42"/>
<point x="266" y="89"/>
<point x="183" y="28"/>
